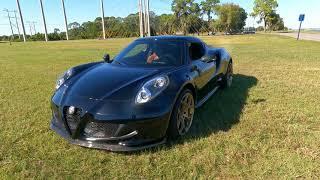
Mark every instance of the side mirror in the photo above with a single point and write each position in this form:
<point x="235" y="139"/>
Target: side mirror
<point x="106" y="58"/>
<point x="209" y="58"/>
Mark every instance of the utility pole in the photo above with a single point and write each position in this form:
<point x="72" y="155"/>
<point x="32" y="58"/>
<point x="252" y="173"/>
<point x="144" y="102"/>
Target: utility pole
<point x="44" y="22"/>
<point x="21" y="18"/>
<point x="65" y="19"/>
<point x="6" y="10"/>
<point x="30" y="27"/>
<point x="148" y="17"/>
<point x="102" y="19"/>
<point x="15" y="16"/>
<point x="140" y="17"/>
<point x="34" y="27"/>
<point x="145" y="23"/>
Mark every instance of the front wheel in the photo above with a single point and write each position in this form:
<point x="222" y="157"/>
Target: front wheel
<point x="228" y="77"/>
<point x="182" y="116"/>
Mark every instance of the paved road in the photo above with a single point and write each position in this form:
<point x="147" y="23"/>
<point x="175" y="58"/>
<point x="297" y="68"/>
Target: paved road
<point x="304" y="36"/>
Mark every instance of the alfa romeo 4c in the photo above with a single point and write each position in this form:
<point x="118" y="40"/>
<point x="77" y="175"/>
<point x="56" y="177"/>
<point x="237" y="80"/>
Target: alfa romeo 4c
<point x="145" y="95"/>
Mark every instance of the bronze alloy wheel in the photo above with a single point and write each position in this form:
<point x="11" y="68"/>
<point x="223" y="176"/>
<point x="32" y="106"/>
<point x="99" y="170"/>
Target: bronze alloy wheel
<point x="185" y="114"/>
<point x="229" y="75"/>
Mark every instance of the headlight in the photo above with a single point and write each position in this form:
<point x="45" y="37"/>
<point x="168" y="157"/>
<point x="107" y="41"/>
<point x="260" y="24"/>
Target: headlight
<point x="62" y="79"/>
<point x="151" y="89"/>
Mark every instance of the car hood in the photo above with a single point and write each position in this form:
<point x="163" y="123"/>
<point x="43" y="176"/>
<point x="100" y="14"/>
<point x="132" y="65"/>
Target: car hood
<point x="104" y="79"/>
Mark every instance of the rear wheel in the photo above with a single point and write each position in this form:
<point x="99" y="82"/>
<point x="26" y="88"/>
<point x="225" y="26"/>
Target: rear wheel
<point x="182" y="116"/>
<point x="228" y="77"/>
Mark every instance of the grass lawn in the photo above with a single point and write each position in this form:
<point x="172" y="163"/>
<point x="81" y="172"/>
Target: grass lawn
<point x="266" y="126"/>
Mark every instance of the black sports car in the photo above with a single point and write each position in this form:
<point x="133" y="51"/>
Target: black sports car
<point x="145" y="95"/>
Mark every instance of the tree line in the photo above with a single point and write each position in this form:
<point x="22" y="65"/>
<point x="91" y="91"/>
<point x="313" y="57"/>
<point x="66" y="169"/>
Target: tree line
<point x="187" y="17"/>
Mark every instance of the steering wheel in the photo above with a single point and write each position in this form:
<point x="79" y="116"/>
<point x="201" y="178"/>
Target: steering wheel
<point x="168" y="58"/>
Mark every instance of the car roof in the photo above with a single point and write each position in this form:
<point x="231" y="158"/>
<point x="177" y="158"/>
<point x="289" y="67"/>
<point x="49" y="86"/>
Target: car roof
<point x="178" y="38"/>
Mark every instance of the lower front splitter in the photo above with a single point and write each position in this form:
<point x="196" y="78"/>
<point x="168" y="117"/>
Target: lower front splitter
<point x="120" y="147"/>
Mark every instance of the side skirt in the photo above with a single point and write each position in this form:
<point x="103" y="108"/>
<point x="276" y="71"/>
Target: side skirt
<point x="202" y="101"/>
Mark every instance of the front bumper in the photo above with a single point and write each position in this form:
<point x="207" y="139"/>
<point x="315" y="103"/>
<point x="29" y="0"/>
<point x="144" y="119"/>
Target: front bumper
<point x="131" y="135"/>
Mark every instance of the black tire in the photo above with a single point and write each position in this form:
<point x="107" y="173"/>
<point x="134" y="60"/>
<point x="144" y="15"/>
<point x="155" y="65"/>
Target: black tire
<point x="228" y="77"/>
<point x="179" y="115"/>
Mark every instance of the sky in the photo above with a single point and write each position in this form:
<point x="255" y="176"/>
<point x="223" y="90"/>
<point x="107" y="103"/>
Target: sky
<point x="87" y="10"/>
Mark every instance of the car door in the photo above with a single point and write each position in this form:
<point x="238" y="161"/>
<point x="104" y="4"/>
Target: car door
<point x="205" y="68"/>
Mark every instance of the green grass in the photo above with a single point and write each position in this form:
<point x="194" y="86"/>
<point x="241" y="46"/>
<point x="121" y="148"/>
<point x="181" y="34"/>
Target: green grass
<point x="266" y="126"/>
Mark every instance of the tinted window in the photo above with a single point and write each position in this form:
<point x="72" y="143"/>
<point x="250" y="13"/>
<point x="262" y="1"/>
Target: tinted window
<point x="196" y="51"/>
<point x="152" y="53"/>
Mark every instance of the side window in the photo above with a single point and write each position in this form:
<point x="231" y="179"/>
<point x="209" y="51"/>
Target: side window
<point x="196" y="51"/>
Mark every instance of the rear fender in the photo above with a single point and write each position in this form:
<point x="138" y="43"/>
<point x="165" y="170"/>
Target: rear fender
<point x="222" y="61"/>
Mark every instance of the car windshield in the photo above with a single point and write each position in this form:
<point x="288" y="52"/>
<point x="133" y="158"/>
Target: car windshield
<point x="151" y="53"/>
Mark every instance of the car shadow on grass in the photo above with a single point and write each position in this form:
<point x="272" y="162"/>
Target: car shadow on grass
<point x="223" y="109"/>
<point x="219" y="113"/>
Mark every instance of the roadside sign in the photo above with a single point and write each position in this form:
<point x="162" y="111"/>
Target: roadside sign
<point x="301" y="17"/>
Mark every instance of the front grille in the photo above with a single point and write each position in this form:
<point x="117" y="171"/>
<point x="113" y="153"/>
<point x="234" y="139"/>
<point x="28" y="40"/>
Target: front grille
<point x="72" y="119"/>
<point x="100" y="129"/>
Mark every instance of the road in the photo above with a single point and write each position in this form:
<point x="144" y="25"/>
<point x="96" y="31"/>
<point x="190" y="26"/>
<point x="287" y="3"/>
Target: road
<point x="304" y="36"/>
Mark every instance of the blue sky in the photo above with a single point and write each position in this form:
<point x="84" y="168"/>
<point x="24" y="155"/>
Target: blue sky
<point x="87" y="10"/>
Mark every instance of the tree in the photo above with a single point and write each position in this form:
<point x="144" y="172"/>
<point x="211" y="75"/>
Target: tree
<point x="165" y="24"/>
<point x="73" y="25"/>
<point x="56" y="30"/>
<point x="74" y="30"/>
<point x="264" y="9"/>
<point x="232" y="18"/>
<point x="113" y="26"/>
<point x="131" y="25"/>
<point x="185" y="11"/>
<point x="91" y="30"/>
<point x="260" y="28"/>
<point x="153" y="23"/>
<point x="37" y="37"/>
<point x="195" y="24"/>
<point x="54" y="37"/>
<point x="275" y="22"/>
<point x="205" y="27"/>
<point x="208" y="7"/>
